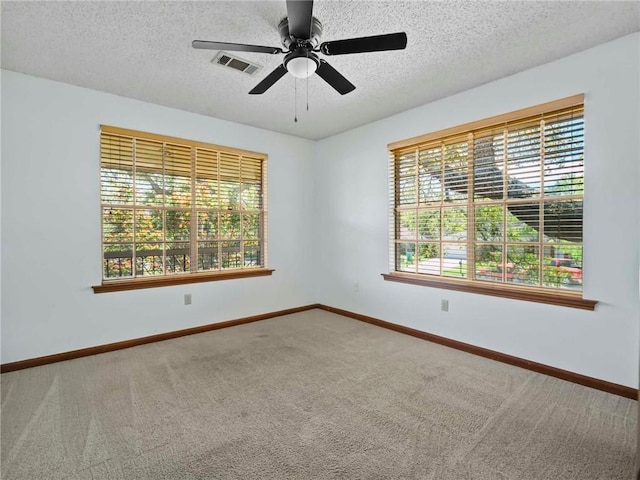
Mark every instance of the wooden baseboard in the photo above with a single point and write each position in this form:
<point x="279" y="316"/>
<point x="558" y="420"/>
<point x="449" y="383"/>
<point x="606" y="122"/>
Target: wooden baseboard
<point x="110" y="347"/>
<point x="598" y="384"/>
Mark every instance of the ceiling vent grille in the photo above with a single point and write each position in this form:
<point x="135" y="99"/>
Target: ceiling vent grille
<point x="231" y="61"/>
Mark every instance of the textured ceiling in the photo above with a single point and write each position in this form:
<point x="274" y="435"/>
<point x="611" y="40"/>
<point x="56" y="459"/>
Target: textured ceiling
<point x="143" y="50"/>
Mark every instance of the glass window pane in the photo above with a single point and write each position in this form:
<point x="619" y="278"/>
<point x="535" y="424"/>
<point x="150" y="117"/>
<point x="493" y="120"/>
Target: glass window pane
<point x="488" y="160"/>
<point x="406" y="179"/>
<point x="116" y="186"/>
<point x="429" y="224"/>
<point x="454" y="223"/>
<point x="149" y="225"/>
<point x="208" y="256"/>
<point x="252" y="254"/>
<point x="178" y="258"/>
<point x="563" y="221"/>
<point x="230" y="226"/>
<point x="178" y="225"/>
<point x="430" y="175"/>
<point x="429" y="258"/>
<point x="117" y="225"/>
<point x="489" y="263"/>
<point x="407" y="227"/>
<point x="454" y="260"/>
<point x="250" y="226"/>
<point x="489" y="223"/>
<point x="251" y="196"/>
<point x="523" y="222"/>
<point x="117" y="260"/>
<point x="455" y="172"/>
<point x="231" y="256"/>
<point x="406" y="257"/>
<point x="229" y="195"/>
<point x="149" y="259"/>
<point x="562" y="266"/>
<point x="207" y="226"/>
<point x="524" y="264"/>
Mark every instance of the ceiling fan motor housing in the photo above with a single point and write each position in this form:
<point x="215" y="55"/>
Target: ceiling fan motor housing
<point x="291" y="43"/>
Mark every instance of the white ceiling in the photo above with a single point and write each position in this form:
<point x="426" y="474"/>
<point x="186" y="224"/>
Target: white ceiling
<point x="143" y="50"/>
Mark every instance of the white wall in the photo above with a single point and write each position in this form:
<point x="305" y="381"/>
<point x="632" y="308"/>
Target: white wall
<point x="351" y="221"/>
<point x="51" y="223"/>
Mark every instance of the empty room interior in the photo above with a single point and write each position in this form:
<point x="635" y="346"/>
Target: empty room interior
<point x="320" y="240"/>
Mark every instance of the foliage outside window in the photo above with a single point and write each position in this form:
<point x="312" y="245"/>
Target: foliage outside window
<point x="496" y="204"/>
<point x="176" y="207"/>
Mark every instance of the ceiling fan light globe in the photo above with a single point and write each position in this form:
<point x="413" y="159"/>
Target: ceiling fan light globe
<point x="301" y="67"/>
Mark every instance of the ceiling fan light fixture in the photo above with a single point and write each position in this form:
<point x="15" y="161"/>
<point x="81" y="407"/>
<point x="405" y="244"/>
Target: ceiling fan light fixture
<point x="301" y="66"/>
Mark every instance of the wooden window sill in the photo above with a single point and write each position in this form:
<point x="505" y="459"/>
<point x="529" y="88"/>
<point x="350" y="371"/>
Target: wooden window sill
<point x="169" y="280"/>
<point x="560" y="298"/>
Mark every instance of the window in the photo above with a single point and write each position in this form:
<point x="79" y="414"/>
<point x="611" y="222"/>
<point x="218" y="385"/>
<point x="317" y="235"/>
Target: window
<point x="494" y="206"/>
<point x="177" y="208"/>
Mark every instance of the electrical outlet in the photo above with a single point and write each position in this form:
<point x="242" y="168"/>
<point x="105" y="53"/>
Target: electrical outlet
<point x="444" y="305"/>
<point x="187" y="299"/>
<point x="356" y="287"/>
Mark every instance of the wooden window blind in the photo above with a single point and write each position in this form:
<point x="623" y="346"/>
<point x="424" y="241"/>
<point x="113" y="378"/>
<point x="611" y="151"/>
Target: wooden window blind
<point x="175" y="207"/>
<point x="497" y="202"/>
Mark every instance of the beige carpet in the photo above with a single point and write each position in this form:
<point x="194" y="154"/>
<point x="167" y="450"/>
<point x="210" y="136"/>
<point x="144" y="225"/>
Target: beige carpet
<point x="307" y="396"/>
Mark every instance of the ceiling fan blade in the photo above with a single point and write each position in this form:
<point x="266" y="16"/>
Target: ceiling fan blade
<point x="376" y="43"/>
<point x="300" y="13"/>
<point x="334" y="78"/>
<point x="268" y="81"/>
<point x="236" y="47"/>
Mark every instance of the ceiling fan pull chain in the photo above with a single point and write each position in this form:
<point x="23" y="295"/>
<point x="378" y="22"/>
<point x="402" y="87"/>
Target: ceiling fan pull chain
<point x="295" y="99"/>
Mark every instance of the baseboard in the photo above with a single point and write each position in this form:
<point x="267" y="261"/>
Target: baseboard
<point x="110" y="347"/>
<point x="598" y="384"/>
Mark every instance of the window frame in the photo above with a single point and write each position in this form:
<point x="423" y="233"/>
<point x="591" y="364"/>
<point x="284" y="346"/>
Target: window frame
<point x="110" y="284"/>
<point x="521" y="292"/>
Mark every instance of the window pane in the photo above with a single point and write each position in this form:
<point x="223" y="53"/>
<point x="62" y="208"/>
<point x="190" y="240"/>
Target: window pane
<point x="454" y="223"/>
<point x="252" y="254"/>
<point x="149" y="225"/>
<point x="208" y="256"/>
<point x="117" y="225"/>
<point x="524" y="263"/>
<point x="564" y="152"/>
<point x="407" y="227"/>
<point x="489" y="263"/>
<point x="229" y="195"/>
<point x="523" y="162"/>
<point x="489" y="222"/>
<point x="178" y="258"/>
<point x="406" y="179"/>
<point x="563" y="221"/>
<point x="488" y="159"/>
<point x="454" y="260"/>
<point x="231" y="256"/>
<point x="431" y="175"/>
<point x="178" y="225"/>
<point x="251" y="196"/>
<point x="116" y="186"/>
<point x="562" y="266"/>
<point x="455" y="172"/>
<point x="207" y="226"/>
<point x="250" y="226"/>
<point x="406" y="257"/>
<point x="149" y="259"/>
<point x="523" y="222"/>
<point x="230" y="225"/>
<point x="429" y="224"/>
<point x="429" y="258"/>
<point x="117" y="260"/>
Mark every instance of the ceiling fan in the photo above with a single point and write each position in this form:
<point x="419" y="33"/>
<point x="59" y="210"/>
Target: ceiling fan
<point x="300" y="35"/>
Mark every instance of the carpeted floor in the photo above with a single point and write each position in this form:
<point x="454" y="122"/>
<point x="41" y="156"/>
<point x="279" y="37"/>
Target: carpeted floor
<point x="307" y="396"/>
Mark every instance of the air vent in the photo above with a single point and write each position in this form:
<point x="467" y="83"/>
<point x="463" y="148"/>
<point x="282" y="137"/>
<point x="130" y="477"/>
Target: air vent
<point x="231" y="61"/>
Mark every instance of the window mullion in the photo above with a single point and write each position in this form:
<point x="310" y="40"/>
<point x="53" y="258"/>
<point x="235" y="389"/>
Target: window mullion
<point x="471" y="211"/>
<point x="193" y="264"/>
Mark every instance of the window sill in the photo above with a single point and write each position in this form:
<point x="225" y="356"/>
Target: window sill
<point x="169" y="280"/>
<point x="529" y="294"/>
